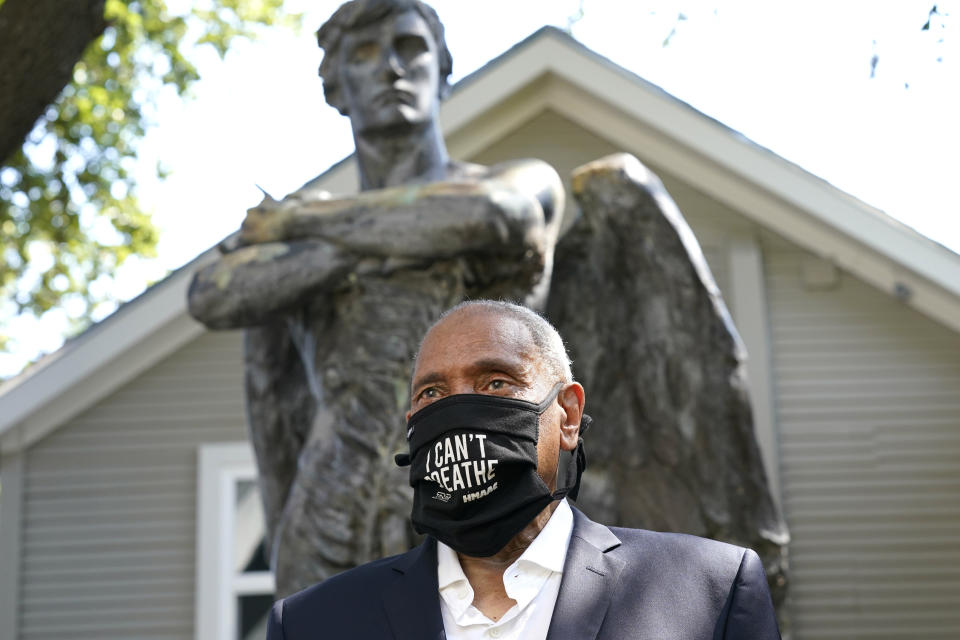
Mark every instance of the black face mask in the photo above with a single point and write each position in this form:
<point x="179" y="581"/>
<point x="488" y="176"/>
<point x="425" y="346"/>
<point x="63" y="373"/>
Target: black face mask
<point x="474" y="469"/>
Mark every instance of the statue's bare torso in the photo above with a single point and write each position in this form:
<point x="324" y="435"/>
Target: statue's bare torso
<point x="337" y="294"/>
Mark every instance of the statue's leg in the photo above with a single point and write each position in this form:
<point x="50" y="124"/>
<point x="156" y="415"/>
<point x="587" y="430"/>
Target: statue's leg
<point x="280" y="410"/>
<point x="348" y="504"/>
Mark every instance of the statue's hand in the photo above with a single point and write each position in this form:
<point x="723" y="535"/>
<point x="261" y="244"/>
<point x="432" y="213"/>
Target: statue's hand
<point x="266" y="222"/>
<point x="230" y="244"/>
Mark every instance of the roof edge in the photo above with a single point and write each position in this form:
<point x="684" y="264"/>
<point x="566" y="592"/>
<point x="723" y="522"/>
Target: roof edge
<point x="96" y="362"/>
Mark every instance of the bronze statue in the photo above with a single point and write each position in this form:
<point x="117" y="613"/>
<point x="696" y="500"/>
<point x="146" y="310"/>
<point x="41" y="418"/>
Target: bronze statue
<point x="335" y="292"/>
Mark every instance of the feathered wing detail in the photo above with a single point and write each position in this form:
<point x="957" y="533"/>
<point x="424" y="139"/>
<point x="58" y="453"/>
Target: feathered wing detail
<point x="673" y="447"/>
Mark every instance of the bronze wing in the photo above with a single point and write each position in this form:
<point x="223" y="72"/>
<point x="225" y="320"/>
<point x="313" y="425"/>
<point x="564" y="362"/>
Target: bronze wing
<point x="673" y="445"/>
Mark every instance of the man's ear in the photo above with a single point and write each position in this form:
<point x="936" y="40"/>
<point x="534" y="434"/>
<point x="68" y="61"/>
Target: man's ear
<point x="572" y="400"/>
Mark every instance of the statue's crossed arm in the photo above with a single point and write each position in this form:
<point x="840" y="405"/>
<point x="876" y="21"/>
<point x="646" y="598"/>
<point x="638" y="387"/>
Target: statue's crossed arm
<point x="297" y="247"/>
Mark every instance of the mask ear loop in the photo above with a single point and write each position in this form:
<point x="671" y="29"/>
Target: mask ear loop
<point x="554" y="392"/>
<point x="578" y="457"/>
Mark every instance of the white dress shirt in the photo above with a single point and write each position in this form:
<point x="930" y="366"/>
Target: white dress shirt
<point x="533" y="581"/>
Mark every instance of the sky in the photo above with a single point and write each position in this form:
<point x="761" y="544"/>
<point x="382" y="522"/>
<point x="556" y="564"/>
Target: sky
<point x="795" y="77"/>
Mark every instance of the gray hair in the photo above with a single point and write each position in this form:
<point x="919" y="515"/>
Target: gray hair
<point x="544" y="335"/>
<point x="359" y="13"/>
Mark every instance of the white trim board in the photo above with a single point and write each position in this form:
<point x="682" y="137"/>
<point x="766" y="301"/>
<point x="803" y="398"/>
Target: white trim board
<point x="749" y="304"/>
<point x="219" y="466"/>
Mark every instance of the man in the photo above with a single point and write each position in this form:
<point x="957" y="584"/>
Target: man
<point x="494" y="432"/>
<point x="335" y="293"/>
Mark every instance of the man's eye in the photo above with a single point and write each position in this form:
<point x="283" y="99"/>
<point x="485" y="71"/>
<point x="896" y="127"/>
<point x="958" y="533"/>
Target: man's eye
<point x="496" y="385"/>
<point x="429" y="392"/>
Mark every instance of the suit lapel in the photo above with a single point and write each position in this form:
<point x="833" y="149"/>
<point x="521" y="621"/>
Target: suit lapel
<point x="412" y="601"/>
<point x="590" y="576"/>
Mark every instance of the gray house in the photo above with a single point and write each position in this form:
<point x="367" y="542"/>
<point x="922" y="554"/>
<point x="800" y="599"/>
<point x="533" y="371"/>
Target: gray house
<point x="129" y="510"/>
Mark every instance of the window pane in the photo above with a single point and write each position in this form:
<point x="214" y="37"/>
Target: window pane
<point x="248" y="528"/>
<point x="258" y="561"/>
<point x="252" y="614"/>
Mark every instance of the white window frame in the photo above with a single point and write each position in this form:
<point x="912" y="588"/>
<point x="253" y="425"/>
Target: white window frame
<point x="220" y="467"/>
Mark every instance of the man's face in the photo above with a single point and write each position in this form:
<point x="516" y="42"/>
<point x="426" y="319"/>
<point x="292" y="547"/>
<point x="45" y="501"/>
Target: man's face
<point x="477" y="351"/>
<point x="389" y="73"/>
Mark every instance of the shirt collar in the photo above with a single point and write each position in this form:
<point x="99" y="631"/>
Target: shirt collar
<point x="455" y="589"/>
<point x="449" y="570"/>
<point x="548" y="549"/>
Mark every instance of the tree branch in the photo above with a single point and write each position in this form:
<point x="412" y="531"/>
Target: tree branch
<point x="40" y="41"/>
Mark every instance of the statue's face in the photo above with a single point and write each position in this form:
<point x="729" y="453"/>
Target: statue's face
<point x="389" y="73"/>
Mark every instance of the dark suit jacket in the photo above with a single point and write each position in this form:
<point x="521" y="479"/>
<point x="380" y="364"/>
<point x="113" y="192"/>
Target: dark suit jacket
<point x="617" y="583"/>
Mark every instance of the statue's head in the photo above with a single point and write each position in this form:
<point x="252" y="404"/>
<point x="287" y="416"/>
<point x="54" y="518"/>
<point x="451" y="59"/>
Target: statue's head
<point x="385" y="62"/>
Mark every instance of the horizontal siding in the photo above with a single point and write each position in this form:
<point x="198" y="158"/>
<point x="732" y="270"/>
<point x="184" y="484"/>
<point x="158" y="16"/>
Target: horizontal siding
<point x="110" y="501"/>
<point x="868" y="395"/>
